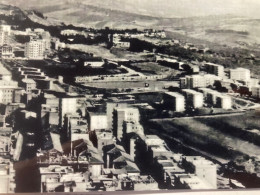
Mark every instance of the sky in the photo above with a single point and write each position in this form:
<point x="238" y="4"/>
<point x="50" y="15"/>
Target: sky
<point x="164" y="8"/>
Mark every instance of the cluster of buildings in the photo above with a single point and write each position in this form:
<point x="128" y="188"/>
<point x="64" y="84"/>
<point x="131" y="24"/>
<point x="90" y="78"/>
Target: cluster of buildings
<point x="91" y="142"/>
<point x="116" y="41"/>
<point x="39" y="45"/>
<point x="189" y="99"/>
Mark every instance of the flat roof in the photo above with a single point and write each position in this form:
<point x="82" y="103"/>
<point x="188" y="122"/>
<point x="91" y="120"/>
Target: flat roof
<point x="174" y="94"/>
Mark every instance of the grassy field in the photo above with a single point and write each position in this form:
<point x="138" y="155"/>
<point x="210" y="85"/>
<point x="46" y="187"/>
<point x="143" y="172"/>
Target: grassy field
<point x="221" y="135"/>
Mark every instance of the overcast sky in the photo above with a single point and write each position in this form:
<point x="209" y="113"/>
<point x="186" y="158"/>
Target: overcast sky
<point x="167" y="8"/>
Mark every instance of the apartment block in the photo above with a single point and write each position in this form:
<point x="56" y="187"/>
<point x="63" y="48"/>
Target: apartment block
<point x="215" y="69"/>
<point x="121" y="115"/>
<point x="198" y="81"/>
<point x="174" y="101"/>
<point x="241" y="74"/>
<point x="194" y="99"/>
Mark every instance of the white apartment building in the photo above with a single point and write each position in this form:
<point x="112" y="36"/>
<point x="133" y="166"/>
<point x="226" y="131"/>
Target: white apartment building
<point x="241" y="74"/>
<point x="67" y="106"/>
<point x="224" y="101"/>
<point x="175" y="101"/>
<point x="120" y="116"/>
<point x="215" y="69"/>
<point x="193" y="98"/>
<point x="256" y="92"/>
<point x="203" y="169"/>
<point x="198" y="81"/>
<point x="97" y="121"/>
<point x="216" y="99"/>
<point x="35" y="49"/>
<point x="5" y="31"/>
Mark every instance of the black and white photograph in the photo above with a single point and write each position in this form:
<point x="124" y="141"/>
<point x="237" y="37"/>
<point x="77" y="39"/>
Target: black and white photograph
<point x="129" y="96"/>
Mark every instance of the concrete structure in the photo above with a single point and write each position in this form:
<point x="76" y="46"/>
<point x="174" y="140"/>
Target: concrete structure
<point x="194" y="99"/>
<point x="116" y="41"/>
<point x="68" y="105"/>
<point x="6" y="51"/>
<point x="35" y="49"/>
<point x="121" y="115"/>
<point x="104" y="138"/>
<point x="202" y="168"/>
<point x="198" y="81"/>
<point x="7" y="91"/>
<point x="241" y="74"/>
<point x="5" y="32"/>
<point x="97" y="121"/>
<point x="216" y="99"/>
<point x="224" y="101"/>
<point x="215" y="69"/>
<point x="29" y="85"/>
<point x="256" y="92"/>
<point x="174" y="101"/>
<point x="94" y="62"/>
<point x="7" y="176"/>
<point x="110" y="105"/>
<point x="76" y="127"/>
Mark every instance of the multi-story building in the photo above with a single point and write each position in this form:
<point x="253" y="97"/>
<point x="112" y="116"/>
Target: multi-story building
<point x="216" y="99"/>
<point x="120" y="116"/>
<point x="76" y="127"/>
<point x="6" y="51"/>
<point x="35" y="49"/>
<point x="5" y="32"/>
<point x="68" y="105"/>
<point x="194" y="99"/>
<point x="97" y="120"/>
<point x="215" y="69"/>
<point x="241" y="74"/>
<point x="110" y="105"/>
<point x="174" y="101"/>
<point x="256" y="92"/>
<point x="224" y="101"/>
<point x="202" y="168"/>
<point x="7" y="91"/>
<point x="198" y="81"/>
<point x="94" y="62"/>
<point x="29" y="85"/>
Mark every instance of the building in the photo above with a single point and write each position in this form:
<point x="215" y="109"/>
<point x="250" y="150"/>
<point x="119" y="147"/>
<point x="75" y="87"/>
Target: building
<point x="216" y="99"/>
<point x="256" y="92"/>
<point x="224" y="102"/>
<point x="194" y="99"/>
<point x="198" y="81"/>
<point x="76" y="127"/>
<point x="104" y="138"/>
<point x="7" y="91"/>
<point x="68" y="105"/>
<point x="241" y="74"/>
<point x="174" y="101"/>
<point x="29" y="85"/>
<point x="97" y="121"/>
<point x="7" y="176"/>
<point x="95" y="62"/>
<point x="202" y="168"/>
<point x="121" y="115"/>
<point x="35" y="49"/>
<point x="6" y="51"/>
<point x="5" y="32"/>
<point x="215" y="69"/>
<point x="116" y="41"/>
